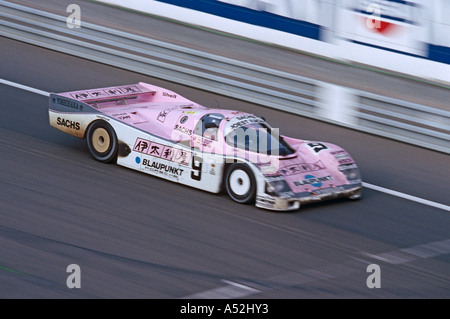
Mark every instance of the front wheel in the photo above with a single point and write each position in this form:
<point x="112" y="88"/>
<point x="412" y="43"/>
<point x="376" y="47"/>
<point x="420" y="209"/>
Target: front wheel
<point x="102" y="141"/>
<point x="240" y="183"/>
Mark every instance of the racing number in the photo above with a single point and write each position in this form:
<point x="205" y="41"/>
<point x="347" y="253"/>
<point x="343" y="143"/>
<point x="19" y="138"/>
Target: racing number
<point x="196" y="173"/>
<point x="317" y="147"/>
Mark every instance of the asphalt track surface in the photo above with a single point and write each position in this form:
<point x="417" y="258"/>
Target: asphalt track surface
<point x="136" y="236"/>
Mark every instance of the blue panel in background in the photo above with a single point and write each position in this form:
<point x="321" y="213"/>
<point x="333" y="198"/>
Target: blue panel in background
<point x="296" y="27"/>
<point x="258" y="18"/>
<point x="439" y="53"/>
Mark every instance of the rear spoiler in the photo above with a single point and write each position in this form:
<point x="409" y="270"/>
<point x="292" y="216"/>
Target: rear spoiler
<point x="113" y="93"/>
<point x="86" y="100"/>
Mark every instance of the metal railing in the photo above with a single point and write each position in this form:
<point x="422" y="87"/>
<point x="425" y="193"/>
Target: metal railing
<point x="412" y="123"/>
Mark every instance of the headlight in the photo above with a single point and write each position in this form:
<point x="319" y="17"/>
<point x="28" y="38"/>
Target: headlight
<point x="275" y="188"/>
<point x="279" y="186"/>
<point x="276" y="185"/>
<point x="351" y="172"/>
<point x="270" y="189"/>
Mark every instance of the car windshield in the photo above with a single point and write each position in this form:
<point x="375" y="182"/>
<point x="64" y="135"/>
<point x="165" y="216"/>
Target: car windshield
<point x="259" y="138"/>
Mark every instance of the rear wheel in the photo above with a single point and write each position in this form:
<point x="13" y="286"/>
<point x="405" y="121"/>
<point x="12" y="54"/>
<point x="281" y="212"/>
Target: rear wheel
<point x="102" y="141"/>
<point x="240" y="183"/>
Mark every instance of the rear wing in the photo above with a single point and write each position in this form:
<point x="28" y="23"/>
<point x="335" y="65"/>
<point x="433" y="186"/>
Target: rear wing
<point x="114" y="93"/>
<point x="92" y="99"/>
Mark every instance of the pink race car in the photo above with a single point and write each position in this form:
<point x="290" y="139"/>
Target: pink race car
<point x="159" y="132"/>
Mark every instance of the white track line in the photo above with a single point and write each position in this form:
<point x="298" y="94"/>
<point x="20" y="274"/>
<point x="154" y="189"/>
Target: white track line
<point x="232" y="290"/>
<point x="406" y="196"/>
<point x="300" y="278"/>
<point x="24" y="87"/>
<point x="367" y="185"/>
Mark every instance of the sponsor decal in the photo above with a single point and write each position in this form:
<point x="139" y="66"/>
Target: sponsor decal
<point x="183" y="129"/>
<point x="338" y="152"/>
<point x="314" y="181"/>
<point x="274" y="178"/>
<point x="121" y="116"/>
<point x="96" y="94"/>
<point x="301" y="168"/>
<point x="69" y="103"/>
<point x="342" y="157"/>
<point x="182" y="157"/>
<point x="190" y="112"/>
<point x="171" y="95"/>
<point x="206" y="141"/>
<point x="129" y="89"/>
<point x="67" y="123"/>
<point x="166" y="152"/>
<point x="163" y="114"/>
<point x="161" y="168"/>
<point x="80" y="95"/>
<point x="183" y="119"/>
<point x="141" y="146"/>
<point x="347" y="167"/>
<point x="244" y="120"/>
<point x="345" y="161"/>
<point x="155" y="149"/>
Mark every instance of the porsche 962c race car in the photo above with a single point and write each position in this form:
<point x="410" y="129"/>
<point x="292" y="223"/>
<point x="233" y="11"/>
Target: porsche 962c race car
<point x="159" y="132"/>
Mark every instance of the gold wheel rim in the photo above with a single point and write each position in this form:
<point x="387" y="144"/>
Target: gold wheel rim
<point x="101" y="140"/>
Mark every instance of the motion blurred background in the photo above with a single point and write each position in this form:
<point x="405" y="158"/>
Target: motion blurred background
<point x="370" y="76"/>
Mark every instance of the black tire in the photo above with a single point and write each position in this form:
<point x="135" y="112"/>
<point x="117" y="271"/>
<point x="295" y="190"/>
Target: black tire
<point x="240" y="183"/>
<point x="102" y="141"/>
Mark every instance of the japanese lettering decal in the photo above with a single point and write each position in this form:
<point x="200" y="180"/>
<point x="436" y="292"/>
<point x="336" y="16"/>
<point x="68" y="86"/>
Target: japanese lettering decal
<point x="169" y="153"/>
